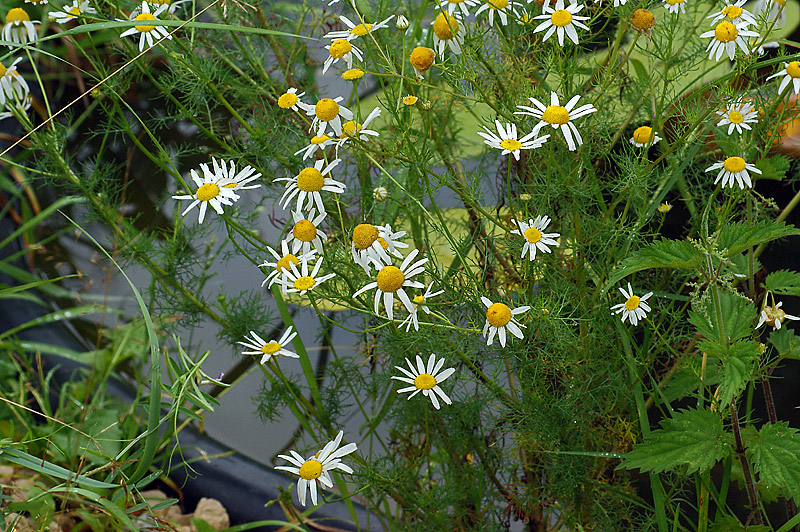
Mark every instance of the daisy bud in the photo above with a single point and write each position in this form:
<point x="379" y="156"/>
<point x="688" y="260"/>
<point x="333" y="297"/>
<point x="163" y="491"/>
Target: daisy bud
<point x="524" y="197"/>
<point x="664" y="208"/>
<point x="426" y="105"/>
<point x="401" y="23"/>
<point x="643" y="21"/>
<point x="380" y="193"/>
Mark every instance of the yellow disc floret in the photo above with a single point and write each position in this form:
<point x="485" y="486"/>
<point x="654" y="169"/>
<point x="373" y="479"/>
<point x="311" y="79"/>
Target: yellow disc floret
<point x="511" y="145"/>
<point x="207" y="192"/>
<point x="555" y="114"/>
<point x="144" y="28"/>
<point x="632" y="303"/>
<point x="287" y="100"/>
<point x="351" y="128"/>
<point x="561" y="18"/>
<point x="642" y="19"/>
<point x="310" y="179"/>
<point x="643" y="134"/>
<point x="424" y="381"/>
<point x="422" y="58"/>
<point x="390" y="279"/>
<point x="732" y="12"/>
<point x="725" y="32"/>
<point x="311" y="469"/>
<point x="16" y="15"/>
<point x="339" y="48"/>
<point x="304" y="283"/>
<point x="533" y="235"/>
<point x="419" y="299"/>
<point x="498" y="315"/>
<point x="382" y="241"/>
<point x="319" y="140"/>
<point x="735" y="117"/>
<point x="3" y="70"/>
<point x="75" y="11"/>
<point x="326" y="109"/>
<point x="445" y="27"/>
<point x="270" y="348"/>
<point x="352" y="74"/>
<point x="285" y="262"/>
<point x="304" y="231"/>
<point x="497" y="4"/>
<point x="364" y="235"/>
<point x="734" y="164"/>
<point x="409" y="100"/>
<point x="361" y="30"/>
<point x="793" y="69"/>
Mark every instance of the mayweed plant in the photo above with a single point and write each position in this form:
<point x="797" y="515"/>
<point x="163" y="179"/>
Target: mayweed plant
<point x="562" y="222"/>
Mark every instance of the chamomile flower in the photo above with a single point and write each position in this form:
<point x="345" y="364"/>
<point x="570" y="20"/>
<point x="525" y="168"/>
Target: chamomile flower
<point x="372" y="245"/>
<point x="229" y="178"/>
<point x="17" y="106"/>
<point x="306" y="232"/>
<point x="774" y="316"/>
<point x="172" y="7"/>
<point x="644" y="137"/>
<point x="790" y="73"/>
<point x="409" y="100"/>
<point x="733" y="169"/>
<point x="391" y="280"/>
<point x="673" y="6"/>
<point x="282" y="264"/>
<point x="421" y="59"/>
<point x="534" y="235"/>
<point x="328" y="111"/>
<point x="561" y="20"/>
<point x="462" y="5"/>
<point x="725" y="37"/>
<point x="72" y="12"/>
<point x="425" y="379"/>
<point x="733" y="13"/>
<point x="353" y="129"/>
<point x="291" y="100"/>
<point x="13" y="87"/>
<point x="635" y="308"/>
<point x="506" y="139"/>
<point x="308" y="184"/>
<point x="318" y="467"/>
<point x="19" y="27"/>
<point x="502" y="8"/>
<point x="448" y="31"/>
<point x="211" y="190"/>
<point x="36" y="2"/>
<point x="355" y="31"/>
<point x="316" y="143"/>
<point x="499" y="318"/>
<point x="301" y="280"/>
<point x="267" y="350"/>
<point x="147" y="33"/>
<point x="738" y="115"/>
<point x="419" y="303"/>
<point x="344" y="50"/>
<point x="558" y="117"/>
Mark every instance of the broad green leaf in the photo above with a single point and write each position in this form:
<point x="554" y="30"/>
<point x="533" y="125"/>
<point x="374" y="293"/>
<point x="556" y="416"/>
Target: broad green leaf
<point x="737" y="361"/>
<point x="775" y="454"/>
<point x="738" y="236"/>
<point x="738" y="317"/>
<point x="786" y="342"/>
<point x="773" y="167"/>
<point x="694" y="439"/>
<point x="661" y="254"/>
<point x="783" y="282"/>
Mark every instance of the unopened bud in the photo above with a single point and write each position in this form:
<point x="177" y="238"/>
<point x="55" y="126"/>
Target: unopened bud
<point x="401" y="23"/>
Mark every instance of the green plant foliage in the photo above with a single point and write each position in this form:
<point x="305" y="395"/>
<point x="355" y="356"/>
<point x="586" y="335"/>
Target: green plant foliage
<point x="734" y="320"/>
<point x="776" y="457"/>
<point x="660" y="254"/>
<point x="784" y="282"/>
<point x="736" y="237"/>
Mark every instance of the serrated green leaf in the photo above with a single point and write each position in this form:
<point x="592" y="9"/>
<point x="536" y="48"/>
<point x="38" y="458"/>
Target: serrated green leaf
<point x="694" y="439"/>
<point x="786" y="342"/>
<point x="738" y="236"/>
<point x="775" y="454"/>
<point x="783" y="282"/>
<point x="738" y="317"/>
<point x="773" y="167"/>
<point x="661" y="254"/>
<point x="737" y="361"/>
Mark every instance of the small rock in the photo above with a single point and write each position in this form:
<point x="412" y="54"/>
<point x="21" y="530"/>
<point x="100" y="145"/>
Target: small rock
<point x="212" y="512"/>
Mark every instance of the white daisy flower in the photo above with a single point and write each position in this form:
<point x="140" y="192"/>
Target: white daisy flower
<point x="318" y="467"/>
<point x="327" y="111"/>
<point x="316" y="143"/>
<point x="344" y="50"/>
<point x="738" y="115"/>
<point x="790" y="73"/>
<point x="300" y="280"/>
<point x="425" y="379"/>
<point x="725" y="37"/>
<point x="733" y="168"/>
<point x="500" y="317"/>
<point x="506" y="139"/>
<point x="644" y="137"/>
<point x="558" y="117"/>
<point x="419" y="303"/>
<point x="215" y="188"/>
<point x="147" y="34"/>
<point x="267" y="350"/>
<point x="448" y="31"/>
<point x="500" y="7"/>
<point x="774" y="316"/>
<point x="772" y="9"/>
<point x="18" y="106"/>
<point x="306" y="232"/>
<point x="13" y="87"/>
<point x="308" y="183"/>
<point x="37" y="2"/>
<point x="355" y="31"/>
<point x="635" y="308"/>
<point x="462" y="5"/>
<point x="229" y="178"/>
<point x="673" y="6"/>
<point x="290" y="99"/>
<point x="391" y="280"/>
<point x="535" y="237"/>
<point x="172" y="7"/>
<point x="72" y="12"/>
<point x="733" y="13"/>
<point x="19" y="27"/>
<point x="371" y="245"/>
<point x="561" y="20"/>
<point x="282" y="264"/>
<point x="352" y="129"/>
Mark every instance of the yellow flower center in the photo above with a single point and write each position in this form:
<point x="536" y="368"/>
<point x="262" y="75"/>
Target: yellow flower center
<point x="304" y="231"/>
<point x="285" y="262"/>
<point x="319" y="140"/>
<point x="735" y="117"/>
<point x="725" y="32"/>
<point x="310" y="179"/>
<point x="364" y="235"/>
<point x="732" y="12"/>
<point x="75" y="11"/>
<point x="352" y="74"/>
<point x="410" y="100"/>
<point x="424" y="381"/>
<point x="455" y="1"/>
<point x="351" y="128"/>
<point x="793" y="69"/>
<point x="422" y="58"/>
<point x="384" y="244"/>
<point x="304" y="283"/>
<point x="445" y="27"/>
<point x="511" y="145"/>
<point x="390" y="279"/>
<point x="733" y="164"/>
<point x="3" y="70"/>
<point x="664" y="208"/>
<point x="207" y="192"/>
<point x="498" y="4"/>
<point x="643" y="134"/>
<point x="561" y="18"/>
<point x="326" y="109"/>
<point x="642" y="19"/>
<point x="555" y="114"/>
<point x="144" y="28"/>
<point x="17" y="15"/>
<point x="311" y="469"/>
<point x="287" y="100"/>
<point x="161" y="2"/>
<point x="673" y="2"/>
<point x="270" y="348"/>
<point x="339" y="48"/>
<point x="361" y="30"/>
<point x="498" y="315"/>
<point x="533" y="235"/>
<point x="632" y="303"/>
<point x="419" y="299"/>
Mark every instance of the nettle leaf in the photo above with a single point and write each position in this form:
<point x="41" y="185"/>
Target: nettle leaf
<point x="694" y="439"/>
<point x="783" y="282"/>
<point x="660" y="254"/>
<point x="773" y="167"/>
<point x="775" y="454"/>
<point x="738" y="365"/>
<point x="786" y="342"/>
<point x="738" y="236"/>
<point x="738" y="317"/>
